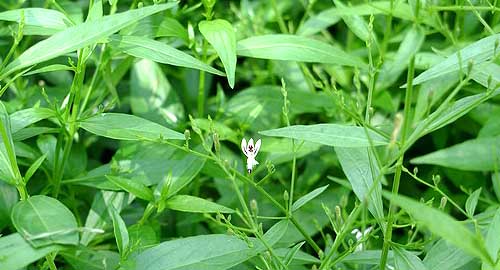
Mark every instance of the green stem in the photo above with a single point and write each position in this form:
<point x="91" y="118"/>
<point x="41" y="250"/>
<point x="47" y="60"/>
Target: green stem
<point x="399" y="164"/>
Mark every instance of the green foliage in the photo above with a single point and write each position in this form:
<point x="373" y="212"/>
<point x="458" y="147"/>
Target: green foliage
<point x="371" y="135"/>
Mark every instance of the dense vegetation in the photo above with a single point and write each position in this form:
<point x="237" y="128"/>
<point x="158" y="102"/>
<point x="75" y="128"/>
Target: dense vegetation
<point x="301" y="134"/>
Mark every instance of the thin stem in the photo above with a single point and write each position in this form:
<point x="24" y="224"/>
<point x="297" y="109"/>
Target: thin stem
<point x="399" y="165"/>
<point x="279" y="18"/>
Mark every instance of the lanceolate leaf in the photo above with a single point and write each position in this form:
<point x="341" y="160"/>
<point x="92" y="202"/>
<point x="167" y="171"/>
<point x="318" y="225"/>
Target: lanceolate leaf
<point x="329" y="134"/>
<point x="405" y="260"/>
<point x="474" y="155"/>
<point x="136" y="188"/>
<point x="79" y="36"/>
<point x="159" y="52"/>
<point x="477" y="53"/>
<point x="127" y="127"/>
<point x="309" y="196"/>
<point x="295" y="48"/>
<point x="193" y="204"/>
<point x="38" y="20"/>
<point x="220" y="34"/>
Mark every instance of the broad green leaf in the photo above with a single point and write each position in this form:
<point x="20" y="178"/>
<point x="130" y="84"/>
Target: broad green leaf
<point x="159" y="52"/>
<point x="295" y="48"/>
<point x="329" y="134"/>
<point x="16" y="253"/>
<point x="363" y="172"/>
<point x="444" y="255"/>
<point x="138" y="189"/>
<point x="405" y="260"/>
<point x="43" y="221"/>
<point x="157" y="26"/>
<point x="127" y="127"/>
<point x="492" y="239"/>
<point x="444" y="226"/>
<point x="38" y="21"/>
<point x="152" y="97"/>
<point x="491" y="128"/>
<point x="207" y="252"/>
<point x="481" y="154"/>
<point x="309" y="196"/>
<point x="393" y="68"/>
<point x="79" y="36"/>
<point x="9" y="172"/>
<point x="477" y="53"/>
<point x="89" y="259"/>
<point x="471" y="203"/>
<point x="23" y="118"/>
<point x="280" y="150"/>
<point x="120" y="231"/>
<point x="220" y="34"/>
<point x="186" y="203"/>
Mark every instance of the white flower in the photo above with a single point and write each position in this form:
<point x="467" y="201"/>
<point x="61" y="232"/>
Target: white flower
<point x="358" y="234"/>
<point x="250" y="152"/>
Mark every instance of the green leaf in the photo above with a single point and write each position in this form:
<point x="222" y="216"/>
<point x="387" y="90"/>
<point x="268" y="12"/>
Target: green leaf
<point x="38" y="21"/>
<point x="444" y="255"/>
<point x="392" y="69"/>
<point x="366" y="257"/>
<point x="363" y="172"/>
<point x="23" y="118"/>
<point x="120" y="230"/>
<point x="43" y="221"/>
<point x="477" y="53"/>
<point x="16" y="253"/>
<point x="474" y="155"/>
<point x="159" y="52"/>
<point x="309" y="196"/>
<point x="295" y="48"/>
<point x="471" y="203"/>
<point x="127" y="127"/>
<point x="88" y="259"/>
<point x="356" y="24"/>
<point x="207" y="252"/>
<point x="80" y="36"/>
<point x="276" y="232"/>
<point x="9" y="171"/>
<point x="152" y="97"/>
<point x="444" y="226"/>
<point x="49" y="68"/>
<point x="138" y="189"/>
<point x="220" y="34"/>
<point x="186" y="203"/>
<point x="492" y="239"/>
<point x="405" y="260"/>
<point x="8" y="198"/>
<point x="34" y="167"/>
<point x="329" y="134"/>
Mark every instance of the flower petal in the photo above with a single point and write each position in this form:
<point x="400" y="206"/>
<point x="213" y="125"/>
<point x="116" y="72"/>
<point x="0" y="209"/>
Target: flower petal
<point x="250" y="144"/>
<point x="244" y="146"/>
<point x="257" y="147"/>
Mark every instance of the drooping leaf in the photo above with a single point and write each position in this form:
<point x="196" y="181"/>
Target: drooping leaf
<point x="43" y="221"/>
<point x="363" y="172"/>
<point x="481" y="154"/>
<point x="295" y="48"/>
<point x="187" y="203"/>
<point x="120" y="231"/>
<point x="220" y="34"/>
<point x="159" y="52"/>
<point x="444" y="226"/>
<point x="79" y="36"/>
<point x="329" y="134"/>
<point x="127" y="127"/>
